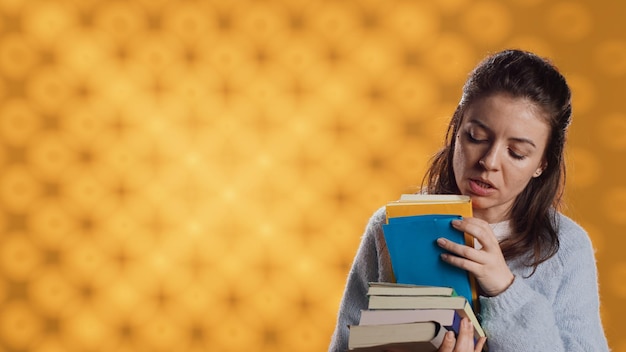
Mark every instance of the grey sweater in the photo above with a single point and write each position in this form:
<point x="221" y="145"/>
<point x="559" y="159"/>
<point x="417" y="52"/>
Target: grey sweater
<point x="555" y="309"/>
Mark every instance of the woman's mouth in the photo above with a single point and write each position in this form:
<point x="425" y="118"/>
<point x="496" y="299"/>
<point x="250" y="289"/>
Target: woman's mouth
<point x="481" y="188"/>
<point x="482" y="184"/>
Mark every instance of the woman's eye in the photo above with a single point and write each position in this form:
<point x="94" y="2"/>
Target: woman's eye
<point x="516" y="155"/>
<point x="474" y="139"/>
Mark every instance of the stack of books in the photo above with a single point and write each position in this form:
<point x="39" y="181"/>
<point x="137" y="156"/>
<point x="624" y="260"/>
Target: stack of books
<point x="429" y="297"/>
<point x="403" y="317"/>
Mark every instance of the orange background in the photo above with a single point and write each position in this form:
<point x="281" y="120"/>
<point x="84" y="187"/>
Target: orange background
<point x="195" y="175"/>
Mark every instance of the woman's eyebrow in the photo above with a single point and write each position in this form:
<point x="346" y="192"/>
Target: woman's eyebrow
<point x="479" y="123"/>
<point x="523" y="140"/>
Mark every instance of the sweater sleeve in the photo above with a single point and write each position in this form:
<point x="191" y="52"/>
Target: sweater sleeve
<point x="368" y="266"/>
<point x="564" y="317"/>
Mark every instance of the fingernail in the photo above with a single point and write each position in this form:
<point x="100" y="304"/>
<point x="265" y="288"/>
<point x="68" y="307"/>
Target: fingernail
<point x="441" y="241"/>
<point x="456" y="222"/>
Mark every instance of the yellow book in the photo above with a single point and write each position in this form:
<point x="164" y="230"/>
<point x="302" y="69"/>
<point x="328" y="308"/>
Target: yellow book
<point x="425" y="204"/>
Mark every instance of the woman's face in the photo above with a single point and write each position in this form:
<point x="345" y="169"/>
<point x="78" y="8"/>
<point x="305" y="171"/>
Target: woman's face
<point x="499" y="148"/>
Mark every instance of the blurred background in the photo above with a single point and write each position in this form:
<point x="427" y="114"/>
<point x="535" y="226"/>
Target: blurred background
<point x="196" y="175"/>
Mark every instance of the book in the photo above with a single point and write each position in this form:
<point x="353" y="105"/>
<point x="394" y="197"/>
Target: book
<point x="460" y="305"/>
<point x="417" y="302"/>
<point x="413" y="224"/>
<point x="395" y="289"/>
<point x="448" y="318"/>
<point x="412" y="337"/>
<point x="423" y="204"/>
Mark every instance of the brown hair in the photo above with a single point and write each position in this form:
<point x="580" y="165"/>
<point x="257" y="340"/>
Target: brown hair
<point x="519" y="74"/>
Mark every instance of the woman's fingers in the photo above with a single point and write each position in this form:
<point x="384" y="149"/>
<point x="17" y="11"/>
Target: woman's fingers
<point x="479" y="229"/>
<point x="480" y="344"/>
<point x="460" y="250"/>
<point x="487" y="264"/>
<point x="464" y="342"/>
<point x="448" y="342"/>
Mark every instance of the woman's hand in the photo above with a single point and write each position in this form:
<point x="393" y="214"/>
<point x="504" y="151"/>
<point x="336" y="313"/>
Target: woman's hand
<point x="464" y="342"/>
<point x="487" y="264"/>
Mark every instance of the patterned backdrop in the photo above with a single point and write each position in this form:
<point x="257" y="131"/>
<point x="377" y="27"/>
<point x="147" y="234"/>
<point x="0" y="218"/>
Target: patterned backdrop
<point x="195" y="175"/>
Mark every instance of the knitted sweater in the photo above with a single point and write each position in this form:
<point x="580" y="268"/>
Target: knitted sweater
<point x="555" y="309"/>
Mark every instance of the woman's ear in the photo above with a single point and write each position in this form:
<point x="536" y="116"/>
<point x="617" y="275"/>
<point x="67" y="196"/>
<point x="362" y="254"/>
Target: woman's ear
<point x="540" y="169"/>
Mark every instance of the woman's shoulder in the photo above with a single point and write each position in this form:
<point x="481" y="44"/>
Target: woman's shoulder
<point x="570" y="228"/>
<point x="572" y="236"/>
<point x="376" y="222"/>
<point x="379" y="217"/>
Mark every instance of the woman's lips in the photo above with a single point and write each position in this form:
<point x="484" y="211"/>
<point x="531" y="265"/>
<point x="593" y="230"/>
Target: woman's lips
<point x="481" y="188"/>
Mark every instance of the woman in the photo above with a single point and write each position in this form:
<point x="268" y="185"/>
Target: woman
<point x="535" y="267"/>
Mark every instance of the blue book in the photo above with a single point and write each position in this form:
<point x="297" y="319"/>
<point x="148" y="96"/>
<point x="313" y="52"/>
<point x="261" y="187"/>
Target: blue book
<point x="415" y="255"/>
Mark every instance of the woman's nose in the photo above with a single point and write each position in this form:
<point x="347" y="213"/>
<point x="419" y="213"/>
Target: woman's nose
<point x="490" y="160"/>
